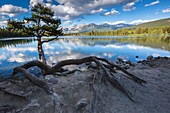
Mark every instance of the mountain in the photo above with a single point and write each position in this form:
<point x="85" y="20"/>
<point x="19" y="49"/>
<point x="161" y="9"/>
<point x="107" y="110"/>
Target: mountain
<point x="107" y="27"/>
<point x="156" y="23"/>
<point x="94" y="27"/>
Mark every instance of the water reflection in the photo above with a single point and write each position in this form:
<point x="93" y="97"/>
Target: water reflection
<point x="15" y="54"/>
<point x="161" y="42"/>
<point x="14" y="42"/>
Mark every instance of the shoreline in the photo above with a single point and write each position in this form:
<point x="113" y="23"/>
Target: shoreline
<point x="75" y="91"/>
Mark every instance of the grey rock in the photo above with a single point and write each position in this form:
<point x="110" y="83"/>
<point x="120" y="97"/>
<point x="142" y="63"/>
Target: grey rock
<point x="34" y="103"/>
<point x="51" y="79"/>
<point x="120" y="60"/>
<point x="149" y="58"/>
<point x="81" y="104"/>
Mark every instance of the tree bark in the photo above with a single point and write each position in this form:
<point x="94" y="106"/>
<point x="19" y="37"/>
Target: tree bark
<point x="41" y="51"/>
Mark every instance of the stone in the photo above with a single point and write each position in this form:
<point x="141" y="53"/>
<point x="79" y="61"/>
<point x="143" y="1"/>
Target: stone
<point x="81" y="104"/>
<point x="120" y="60"/>
<point x="150" y="58"/>
<point x="51" y="79"/>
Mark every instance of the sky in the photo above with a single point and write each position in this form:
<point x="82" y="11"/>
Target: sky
<point x="79" y="12"/>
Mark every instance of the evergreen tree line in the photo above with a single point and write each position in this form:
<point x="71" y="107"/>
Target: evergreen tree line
<point x="7" y="33"/>
<point x="41" y="23"/>
<point x="125" y="32"/>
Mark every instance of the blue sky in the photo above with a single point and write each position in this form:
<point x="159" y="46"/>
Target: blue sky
<point x="76" y="12"/>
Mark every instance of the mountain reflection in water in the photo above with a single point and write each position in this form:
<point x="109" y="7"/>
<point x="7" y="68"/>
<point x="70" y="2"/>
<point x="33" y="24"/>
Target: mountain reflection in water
<point x="17" y="52"/>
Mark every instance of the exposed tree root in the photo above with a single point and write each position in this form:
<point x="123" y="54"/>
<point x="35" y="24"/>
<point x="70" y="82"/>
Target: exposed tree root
<point x="34" y="79"/>
<point x="106" y="66"/>
<point x="134" y="78"/>
<point x="65" y="73"/>
<point x="93" y="100"/>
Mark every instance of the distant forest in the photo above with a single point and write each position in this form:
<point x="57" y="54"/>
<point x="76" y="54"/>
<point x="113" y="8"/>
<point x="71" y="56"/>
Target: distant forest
<point x="9" y="33"/>
<point x="127" y="32"/>
<point x="120" y="32"/>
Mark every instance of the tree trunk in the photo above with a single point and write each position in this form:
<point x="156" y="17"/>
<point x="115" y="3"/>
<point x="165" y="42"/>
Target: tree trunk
<point x="40" y="51"/>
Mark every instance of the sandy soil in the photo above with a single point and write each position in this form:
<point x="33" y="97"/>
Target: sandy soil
<point x="76" y="92"/>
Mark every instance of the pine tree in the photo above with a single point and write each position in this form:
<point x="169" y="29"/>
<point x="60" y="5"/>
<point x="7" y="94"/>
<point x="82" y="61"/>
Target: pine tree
<point x="41" y="23"/>
<point x="13" y="25"/>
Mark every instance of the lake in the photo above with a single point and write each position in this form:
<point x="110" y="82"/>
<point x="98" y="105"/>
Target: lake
<point x="15" y="52"/>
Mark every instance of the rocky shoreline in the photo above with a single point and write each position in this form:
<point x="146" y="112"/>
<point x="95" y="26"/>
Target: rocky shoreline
<point x="76" y="94"/>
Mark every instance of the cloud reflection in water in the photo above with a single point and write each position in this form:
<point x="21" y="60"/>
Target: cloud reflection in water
<point x="63" y="49"/>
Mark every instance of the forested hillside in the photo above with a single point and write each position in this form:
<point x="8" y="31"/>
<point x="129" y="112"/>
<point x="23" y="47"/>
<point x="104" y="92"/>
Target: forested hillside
<point x="153" y="24"/>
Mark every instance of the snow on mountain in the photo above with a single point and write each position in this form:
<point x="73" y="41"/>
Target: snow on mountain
<point x="94" y="27"/>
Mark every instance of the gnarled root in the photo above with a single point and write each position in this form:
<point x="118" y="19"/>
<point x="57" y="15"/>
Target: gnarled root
<point x="106" y="66"/>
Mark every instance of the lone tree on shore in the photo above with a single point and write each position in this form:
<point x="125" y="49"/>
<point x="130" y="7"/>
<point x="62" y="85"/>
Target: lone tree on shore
<point x="41" y="23"/>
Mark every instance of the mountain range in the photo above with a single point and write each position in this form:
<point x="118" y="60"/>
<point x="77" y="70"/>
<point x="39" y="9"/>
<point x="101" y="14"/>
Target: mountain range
<point x="107" y="27"/>
<point x="94" y="27"/>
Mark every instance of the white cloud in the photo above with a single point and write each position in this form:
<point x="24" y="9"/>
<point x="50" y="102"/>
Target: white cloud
<point x="11" y="10"/>
<point x="129" y="6"/>
<point x="65" y="12"/>
<point x="49" y="0"/>
<point x="109" y="55"/>
<point x="115" y="23"/>
<point x="3" y="18"/>
<point x="166" y="10"/>
<point x="152" y="3"/>
<point x="139" y="21"/>
<point x="112" y="12"/>
<point x="72" y="9"/>
<point x="137" y="47"/>
<point x="34" y="2"/>
<point x="32" y="49"/>
<point x="112" y="46"/>
<point x="3" y="23"/>
<point x="68" y="22"/>
<point x="97" y="11"/>
<point x="3" y="56"/>
<point x="21" y="58"/>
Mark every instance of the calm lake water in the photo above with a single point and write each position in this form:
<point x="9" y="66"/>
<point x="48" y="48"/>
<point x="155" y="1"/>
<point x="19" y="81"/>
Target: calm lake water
<point x="15" y="52"/>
